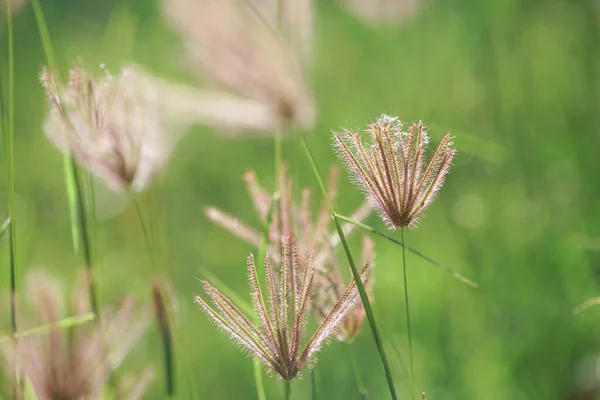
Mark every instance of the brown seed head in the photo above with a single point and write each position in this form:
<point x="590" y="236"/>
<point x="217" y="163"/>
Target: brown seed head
<point x="390" y="167"/>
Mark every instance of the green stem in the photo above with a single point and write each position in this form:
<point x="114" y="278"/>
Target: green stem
<point x="424" y="257"/>
<point x="85" y="238"/>
<point x="288" y="388"/>
<point x="163" y="316"/>
<point x="258" y="379"/>
<point x="313" y="385"/>
<point x="357" y="375"/>
<point x="359" y="284"/>
<point x="408" y="327"/>
<point x="9" y="128"/>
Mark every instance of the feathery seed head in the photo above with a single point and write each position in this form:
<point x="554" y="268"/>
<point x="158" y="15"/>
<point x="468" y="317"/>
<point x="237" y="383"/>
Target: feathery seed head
<point x="74" y="362"/>
<point x="112" y="125"/>
<point x="390" y="167"/>
<point x="239" y="49"/>
<point x="278" y="337"/>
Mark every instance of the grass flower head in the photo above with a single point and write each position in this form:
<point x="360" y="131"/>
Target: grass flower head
<point x="278" y="339"/>
<point x="391" y="169"/>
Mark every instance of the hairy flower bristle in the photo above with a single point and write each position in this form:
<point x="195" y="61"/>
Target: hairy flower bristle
<point x="278" y="337"/>
<point x="390" y="168"/>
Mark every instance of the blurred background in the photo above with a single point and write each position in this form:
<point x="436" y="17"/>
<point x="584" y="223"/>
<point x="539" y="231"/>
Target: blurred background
<point x="517" y="82"/>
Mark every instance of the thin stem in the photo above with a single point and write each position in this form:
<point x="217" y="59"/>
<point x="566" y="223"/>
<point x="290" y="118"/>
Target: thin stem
<point x="9" y="127"/>
<point x="63" y="323"/>
<point x="357" y="375"/>
<point x="408" y="328"/>
<point x="359" y="284"/>
<point x="85" y="238"/>
<point x="424" y="257"/>
<point x="145" y="231"/>
<point x="258" y="379"/>
<point x="288" y="388"/>
<point x="313" y="385"/>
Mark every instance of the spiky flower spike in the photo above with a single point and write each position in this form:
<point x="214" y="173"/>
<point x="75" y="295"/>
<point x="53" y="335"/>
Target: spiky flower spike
<point x="75" y="362"/>
<point x="277" y="340"/>
<point x="112" y="125"/>
<point x="391" y="169"/>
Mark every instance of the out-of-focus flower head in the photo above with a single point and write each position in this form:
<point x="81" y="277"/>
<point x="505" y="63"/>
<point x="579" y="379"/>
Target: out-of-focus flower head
<point x="278" y="339"/>
<point x="115" y="125"/>
<point x="74" y="362"/>
<point x="234" y="45"/>
<point x="311" y="232"/>
<point x="15" y="5"/>
<point x="390" y="168"/>
<point x="384" y="13"/>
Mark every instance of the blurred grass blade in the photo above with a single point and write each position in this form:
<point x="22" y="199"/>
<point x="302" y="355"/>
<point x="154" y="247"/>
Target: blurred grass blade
<point x="357" y="375"/>
<point x="357" y="279"/>
<point x="594" y="301"/>
<point x="8" y="120"/>
<point x="4" y="227"/>
<point x="164" y="327"/>
<point x="397" y="242"/>
<point x="65" y="323"/>
<point x="313" y="385"/>
<point x="77" y="209"/>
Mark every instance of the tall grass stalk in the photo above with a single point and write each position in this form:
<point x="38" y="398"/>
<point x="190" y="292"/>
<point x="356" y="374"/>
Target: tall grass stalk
<point x="75" y="195"/>
<point x="408" y="327"/>
<point x="163" y="317"/>
<point x="288" y="388"/>
<point x="357" y="375"/>
<point x="8" y="111"/>
<point x="313" y="385"/>
<point x="359" y="284"/>
<point x="399" y="243"/>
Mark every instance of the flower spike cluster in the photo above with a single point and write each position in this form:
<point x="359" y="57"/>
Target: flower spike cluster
<point x="277" y="340"/>
<point x="312" y="233"/>
<point x="391" y="169"/>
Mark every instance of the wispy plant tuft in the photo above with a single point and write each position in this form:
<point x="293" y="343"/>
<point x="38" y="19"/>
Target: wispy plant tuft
<point x="278" y="339"/>
<point x="390" y="168"/>
<point x="113" y="126"/>
<point x="74" y="362"/>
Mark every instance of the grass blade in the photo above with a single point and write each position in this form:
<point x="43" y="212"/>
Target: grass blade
<point x="164" y="327"/>
<point x="359" y="284"/>
<point x="65" y="323"/>
<point x="424" y="257"/>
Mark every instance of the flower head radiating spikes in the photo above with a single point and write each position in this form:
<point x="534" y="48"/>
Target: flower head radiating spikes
<point x="74" y="362"/>
<point x="390" y="167"/>
<point x="278" y="339"/>
<point x="112" y="125"/>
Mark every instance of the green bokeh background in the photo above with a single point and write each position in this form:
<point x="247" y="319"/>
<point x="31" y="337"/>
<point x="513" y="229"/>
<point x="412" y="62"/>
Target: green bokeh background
<point x="517" y="83"/>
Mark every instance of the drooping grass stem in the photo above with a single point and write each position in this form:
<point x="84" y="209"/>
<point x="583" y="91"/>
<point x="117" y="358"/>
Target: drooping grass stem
<point x="359" y="284"/>
<point x="423" y="256"/>
<point x="408" y="326"/>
